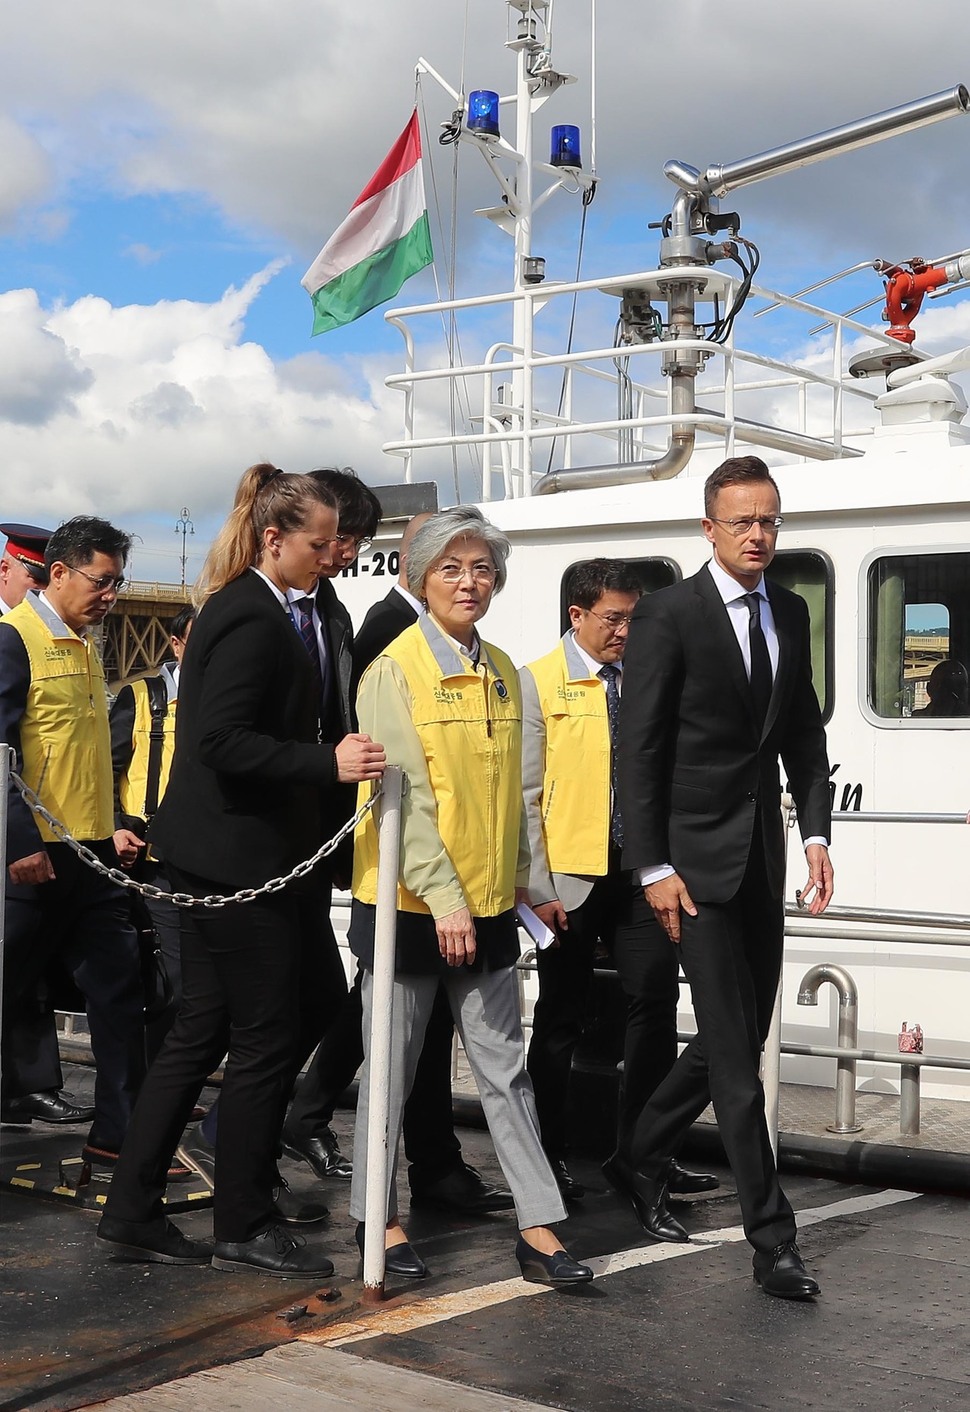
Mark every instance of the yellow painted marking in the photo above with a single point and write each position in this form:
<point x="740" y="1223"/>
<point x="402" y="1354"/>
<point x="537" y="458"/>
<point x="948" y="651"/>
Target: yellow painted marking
<point x="101" y="1199"/>
<point x="422" y="1312"/>
<point x="64" y="1191"/>
<point x="21" y="1181"/>
<point x="27" y="1167"/>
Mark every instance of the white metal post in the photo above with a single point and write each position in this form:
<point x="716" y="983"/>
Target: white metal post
<point x="385" y="927"/>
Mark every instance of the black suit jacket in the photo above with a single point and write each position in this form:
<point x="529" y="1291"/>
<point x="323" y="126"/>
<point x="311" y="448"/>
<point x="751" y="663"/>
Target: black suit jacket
<point x="696" y="773"/>
<point x="339" y="629"/>
<point x="251" y="790"/>
<point x="384" y="622"/>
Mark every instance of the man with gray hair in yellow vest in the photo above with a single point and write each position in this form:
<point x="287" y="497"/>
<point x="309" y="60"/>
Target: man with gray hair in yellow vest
<point x="570" y="704"/>
<point x="54" y="713"/>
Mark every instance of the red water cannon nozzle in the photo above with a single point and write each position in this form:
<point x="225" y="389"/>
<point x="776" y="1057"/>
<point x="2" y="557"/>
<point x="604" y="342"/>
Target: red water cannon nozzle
<point x="906" y="285"/>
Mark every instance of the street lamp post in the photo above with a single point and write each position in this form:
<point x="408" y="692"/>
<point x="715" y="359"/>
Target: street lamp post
<point x="183" y="527"/>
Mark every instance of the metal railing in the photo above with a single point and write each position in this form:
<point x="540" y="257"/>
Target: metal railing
<point x="893" y="927"/>
<point x="522" y="435"/>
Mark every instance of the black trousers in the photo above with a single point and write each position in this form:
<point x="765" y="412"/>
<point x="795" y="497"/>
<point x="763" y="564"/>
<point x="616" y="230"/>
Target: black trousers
<point x="615" y="914"/>
<point x="430" y="1143"/>
<point x="79" y="921"/>
<point x="731" y="953"/>
<point x="260" y="981"/>
<point x="165" y="919"/>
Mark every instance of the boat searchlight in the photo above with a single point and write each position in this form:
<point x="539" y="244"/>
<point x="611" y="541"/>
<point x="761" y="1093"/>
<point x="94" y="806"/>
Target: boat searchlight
<point x="687" y="246"/>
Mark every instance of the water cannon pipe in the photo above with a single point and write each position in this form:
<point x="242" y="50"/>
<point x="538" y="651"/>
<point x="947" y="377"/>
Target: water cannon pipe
<point x="718" y="180"/>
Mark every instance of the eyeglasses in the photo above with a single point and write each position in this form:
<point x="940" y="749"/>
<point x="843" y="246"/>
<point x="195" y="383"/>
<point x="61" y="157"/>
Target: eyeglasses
<point x="615" y="621"/>
<point x="345" y="541"/>
<point x="454" y="573"/>
<point x="769" y="523"/>
<point x="105" y="581"/>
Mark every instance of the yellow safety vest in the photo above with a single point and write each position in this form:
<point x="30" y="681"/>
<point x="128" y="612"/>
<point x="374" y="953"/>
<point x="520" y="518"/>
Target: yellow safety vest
<point x="64" y="736"/>
<point x="575" y="800"/>
<point x="133" y="784"/>
<point x="470" y="725"/>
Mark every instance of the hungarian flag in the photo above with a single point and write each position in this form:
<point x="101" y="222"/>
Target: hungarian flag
<point x="384" y="241"/>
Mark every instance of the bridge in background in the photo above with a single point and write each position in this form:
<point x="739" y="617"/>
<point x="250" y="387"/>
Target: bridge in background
<point x="136" y="631"/>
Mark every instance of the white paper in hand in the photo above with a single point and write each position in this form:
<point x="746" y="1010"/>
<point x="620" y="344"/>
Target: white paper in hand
<point x="535" y="926"/>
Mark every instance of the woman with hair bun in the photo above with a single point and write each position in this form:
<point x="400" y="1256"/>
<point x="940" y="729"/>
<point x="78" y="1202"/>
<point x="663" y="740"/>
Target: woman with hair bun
<point x="248" y="784"/>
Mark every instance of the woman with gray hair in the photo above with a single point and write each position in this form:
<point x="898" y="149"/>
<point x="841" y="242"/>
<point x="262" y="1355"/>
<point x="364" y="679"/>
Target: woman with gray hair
<point x="446" y="706"/>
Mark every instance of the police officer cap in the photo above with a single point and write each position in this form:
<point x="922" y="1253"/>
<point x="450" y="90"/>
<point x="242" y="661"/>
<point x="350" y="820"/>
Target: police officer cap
<point x="26" y="544"/>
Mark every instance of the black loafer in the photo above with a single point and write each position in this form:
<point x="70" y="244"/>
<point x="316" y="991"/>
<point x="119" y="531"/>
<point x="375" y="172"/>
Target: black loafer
<point x="321" y="1151"/>
<point x="648" y="1197"/>
<point x="680" y="1182"/>
<point x="273" y="1252"/>
<point x="160" y="1242"/>
<point x="782" y="1273"/>
<point x="569" y="1188"/>
<point x="47" y="1107"/>
<point x="557" y="1269"/>
<point x="400" y="1259"/>
<point x="463" y="1190"/>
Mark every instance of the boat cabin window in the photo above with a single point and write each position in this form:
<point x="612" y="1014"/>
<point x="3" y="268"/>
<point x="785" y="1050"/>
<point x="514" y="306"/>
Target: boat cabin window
<point x="652" y="573"/>
<point x="919" y="636"/>
<point x="809" y="573"/>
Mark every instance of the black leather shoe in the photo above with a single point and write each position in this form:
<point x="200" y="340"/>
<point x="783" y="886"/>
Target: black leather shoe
<point x="196" y="1152"/>
<point x="648" y="1197"/>
<point x="158" y="1241"/>
<point x="463" y="1190"/>
<point x="48" y="1107"/>
<point x="291" y="1211"/>
<point x="569" y="1188"/>
<point x="781" y="1272"/>
<point x="321" y="1151"/>
<point x="680" y="1182"/>
<point x="273" y="1252"/>
<point x="399" y="1259"/>
<point x="557" y="1269"/>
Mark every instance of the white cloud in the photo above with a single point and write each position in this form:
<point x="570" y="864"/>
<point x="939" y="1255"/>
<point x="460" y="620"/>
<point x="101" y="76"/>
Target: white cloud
<point x="25" y="172"/>
<point x="279" y="115"/>
<point x="133" y="412"/>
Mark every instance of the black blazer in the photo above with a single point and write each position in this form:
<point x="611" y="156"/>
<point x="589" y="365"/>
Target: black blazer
<point x="250" y="786"/>
<point x="339" y="629"/>
<point x="694" y="767"/>
<point x="384" y="622"/>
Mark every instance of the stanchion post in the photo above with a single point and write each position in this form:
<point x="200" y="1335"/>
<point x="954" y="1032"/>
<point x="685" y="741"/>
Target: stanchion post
<point x="385" y="925"/>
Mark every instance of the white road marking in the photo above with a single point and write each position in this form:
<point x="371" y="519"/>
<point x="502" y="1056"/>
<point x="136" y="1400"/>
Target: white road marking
<point x="439" y="1308"/>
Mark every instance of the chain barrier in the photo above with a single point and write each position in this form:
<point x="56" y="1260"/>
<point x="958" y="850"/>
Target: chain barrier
<point x="185" y="899"/>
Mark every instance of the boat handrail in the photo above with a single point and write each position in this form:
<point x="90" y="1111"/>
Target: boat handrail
<point x="813" y="432"/>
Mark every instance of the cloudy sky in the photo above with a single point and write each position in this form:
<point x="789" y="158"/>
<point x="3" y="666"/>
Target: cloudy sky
<point x="168" y="172"/>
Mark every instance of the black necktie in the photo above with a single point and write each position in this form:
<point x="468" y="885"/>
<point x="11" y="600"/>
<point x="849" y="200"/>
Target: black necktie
<point x="760" y="660"/>
<point x="308" y="633"/>
<point x="610" y="675"/>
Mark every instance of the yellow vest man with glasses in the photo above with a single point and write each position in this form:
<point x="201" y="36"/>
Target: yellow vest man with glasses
<point x="54" y="713"/>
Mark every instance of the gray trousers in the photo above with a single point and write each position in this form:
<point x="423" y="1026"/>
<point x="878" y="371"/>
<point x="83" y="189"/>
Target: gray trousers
<point x="486" y="1010"/>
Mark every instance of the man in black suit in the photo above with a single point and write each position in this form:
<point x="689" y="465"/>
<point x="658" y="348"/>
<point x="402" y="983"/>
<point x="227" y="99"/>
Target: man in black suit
<point x="717" y="685"/>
